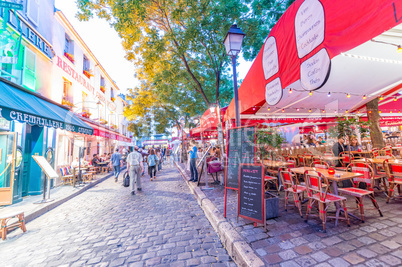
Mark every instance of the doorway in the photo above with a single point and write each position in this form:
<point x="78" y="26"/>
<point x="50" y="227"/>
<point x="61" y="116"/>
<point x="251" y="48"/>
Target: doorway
<point x="7" y="166"/>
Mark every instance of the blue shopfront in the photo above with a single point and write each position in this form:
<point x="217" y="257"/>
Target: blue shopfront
<point x="28" y="124"/>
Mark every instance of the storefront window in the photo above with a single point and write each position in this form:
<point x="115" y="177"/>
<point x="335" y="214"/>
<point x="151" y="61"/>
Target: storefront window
<point x="29" y="76"/>
<point x="6" y="157"/>
<point x="18" y="128"/>
<point x="4" y="125"/>
<point x="50" y="137"/>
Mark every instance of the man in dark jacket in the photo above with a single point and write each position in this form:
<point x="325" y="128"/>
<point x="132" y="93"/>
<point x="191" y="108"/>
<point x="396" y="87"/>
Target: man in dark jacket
<point x="338" y="148"/>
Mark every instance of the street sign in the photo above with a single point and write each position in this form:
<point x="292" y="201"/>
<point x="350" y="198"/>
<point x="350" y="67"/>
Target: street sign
<point x="15" y="6"/>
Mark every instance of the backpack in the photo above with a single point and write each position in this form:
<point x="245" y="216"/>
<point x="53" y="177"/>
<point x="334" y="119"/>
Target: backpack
<point x="126" y="180"/>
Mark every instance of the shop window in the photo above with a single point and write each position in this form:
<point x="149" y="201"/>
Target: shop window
<point x="67" y="94"/>
<point x="69" y="48"/>
<point x="29" y="79"/>
<point x="33" y="11"/>
<point x="112" y="95"/>
<point x="102" y="85"/>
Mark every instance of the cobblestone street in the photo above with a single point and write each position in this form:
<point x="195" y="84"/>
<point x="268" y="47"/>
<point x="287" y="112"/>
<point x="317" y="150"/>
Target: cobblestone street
<point x="106" y="226"/>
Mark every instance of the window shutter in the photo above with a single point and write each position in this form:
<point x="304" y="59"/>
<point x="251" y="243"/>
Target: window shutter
<point x="29" y="79"/>
<point x="33" y="11"/>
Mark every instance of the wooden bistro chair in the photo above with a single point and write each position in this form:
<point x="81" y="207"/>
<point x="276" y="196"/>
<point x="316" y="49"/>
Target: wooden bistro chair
<point x="320" y="164"/>
<point x="66" y="177"/>
<point x="291" y="185"/>
<point x="318" y="193"/>
<point x="347" y="159"/>
<point x="301" y="160"/>
<point x="269" y="178"/>
<point x="394" y="173"/>
<point x="359" y="193"/>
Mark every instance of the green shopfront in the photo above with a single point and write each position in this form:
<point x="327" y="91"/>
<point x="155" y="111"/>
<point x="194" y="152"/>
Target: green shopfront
<point x="28" y="124"/>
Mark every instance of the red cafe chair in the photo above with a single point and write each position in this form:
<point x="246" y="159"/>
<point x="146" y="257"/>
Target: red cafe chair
<point x="291" y="185"/>
<point x="318" y="193"/>
<point x="359" y="193"/>
<point x="394" y="173"/>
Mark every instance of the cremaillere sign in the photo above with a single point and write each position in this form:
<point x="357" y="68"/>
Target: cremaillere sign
<point x="10" y="115"/>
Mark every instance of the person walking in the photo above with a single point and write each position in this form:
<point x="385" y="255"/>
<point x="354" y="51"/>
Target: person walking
<point x="193" y="163"/>
<point x="116" y="161"/>
<point x="135" y="167"/>
<point x="152" y="160"/>
<point x="160" y="158"/>
<point x="168" y="152"/>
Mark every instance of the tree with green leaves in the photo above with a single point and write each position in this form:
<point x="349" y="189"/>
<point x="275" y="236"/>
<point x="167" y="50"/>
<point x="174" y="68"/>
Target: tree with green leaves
<point x="177" y="44"/>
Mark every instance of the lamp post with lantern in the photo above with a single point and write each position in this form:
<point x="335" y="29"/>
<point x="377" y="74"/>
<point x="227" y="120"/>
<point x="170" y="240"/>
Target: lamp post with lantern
<point x="233" y="41"/>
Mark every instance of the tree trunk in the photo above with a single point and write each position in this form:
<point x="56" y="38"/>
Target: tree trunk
<point x="374" y="117"/>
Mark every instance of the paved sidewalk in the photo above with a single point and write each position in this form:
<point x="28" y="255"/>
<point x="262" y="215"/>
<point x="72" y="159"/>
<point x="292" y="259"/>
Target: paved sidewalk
<point x="106" y="226"/>
<point x="59" y="195"/>
<point x="292" y="242"/>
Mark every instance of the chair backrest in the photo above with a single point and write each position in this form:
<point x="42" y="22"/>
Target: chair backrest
<point x="394" y="170"/>
<point x="368" y="174"/>
<point x="316" y="183"/>
<point x="347" y="158"/>
<point x="301" y="159"/>
<point x="321" y="165"/>
<point x="288" y="178"/>
<point x="293" y="163"/>
<point x="329" y="154"/>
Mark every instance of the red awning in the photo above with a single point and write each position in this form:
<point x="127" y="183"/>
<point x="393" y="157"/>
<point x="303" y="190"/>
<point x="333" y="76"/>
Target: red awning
<point x="106" y="133"/>
<point x="331" y="47"/>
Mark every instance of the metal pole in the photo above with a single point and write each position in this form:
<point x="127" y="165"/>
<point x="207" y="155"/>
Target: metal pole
<point x="236" y="97"/>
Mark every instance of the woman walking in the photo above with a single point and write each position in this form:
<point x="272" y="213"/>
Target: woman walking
<point x="152" y="159"/>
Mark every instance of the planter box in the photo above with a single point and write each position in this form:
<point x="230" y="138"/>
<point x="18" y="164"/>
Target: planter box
<point x="271" y="206"/>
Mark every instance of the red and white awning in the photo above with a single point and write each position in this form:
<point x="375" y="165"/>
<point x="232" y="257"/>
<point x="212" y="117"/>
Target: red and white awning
<point x="331" y="48"/>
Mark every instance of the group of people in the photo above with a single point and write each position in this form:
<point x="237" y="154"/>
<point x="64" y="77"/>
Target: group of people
<point x="152" y="157"/>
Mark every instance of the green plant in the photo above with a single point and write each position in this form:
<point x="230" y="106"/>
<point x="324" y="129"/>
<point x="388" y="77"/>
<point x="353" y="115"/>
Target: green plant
<point x="268" y="139"/>
<point x="348" y="127"/>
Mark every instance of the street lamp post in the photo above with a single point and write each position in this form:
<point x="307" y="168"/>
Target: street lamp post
<point x="233" y="41"/>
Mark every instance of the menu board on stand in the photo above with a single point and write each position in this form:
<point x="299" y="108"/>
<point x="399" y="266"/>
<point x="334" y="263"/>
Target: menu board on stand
<point x="251" y="203"/>
<point x="241" y="149"/>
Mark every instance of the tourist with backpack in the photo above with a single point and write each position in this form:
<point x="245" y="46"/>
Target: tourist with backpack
<point x="152" y="160"/>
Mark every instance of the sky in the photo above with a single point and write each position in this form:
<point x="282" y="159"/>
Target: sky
<point x="105" y="43"/>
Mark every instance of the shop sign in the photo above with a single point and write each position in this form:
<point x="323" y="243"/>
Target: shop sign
<point x="309" y="26"/>
<point x="9" y="5"/>
<point x="70" y="71"/>
<point x="270" y="62"/>
<point x="10" y="115"/>
<point x="32" y="36"/>
<point x="273" y="92"/>
<point x="314" y="71"/>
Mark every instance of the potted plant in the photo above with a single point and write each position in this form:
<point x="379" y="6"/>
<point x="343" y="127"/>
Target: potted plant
<point x="113" y="99"/>
<point x="67" y="103"/>
<point x="102" y="88"/>
<point x="103" y="122"/>
<point x="348" y="127"/>
<point x="88" y="73"/>
<point x="69" y="57"/>
<point x="268" y="139"/>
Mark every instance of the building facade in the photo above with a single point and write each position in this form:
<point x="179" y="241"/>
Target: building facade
<point x="56" y="98"/>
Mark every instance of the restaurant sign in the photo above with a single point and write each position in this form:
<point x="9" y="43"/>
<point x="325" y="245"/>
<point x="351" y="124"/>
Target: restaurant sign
<point x="13" y="115"/>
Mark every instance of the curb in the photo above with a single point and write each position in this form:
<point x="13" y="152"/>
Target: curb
<point x="40" y="212"/>
<point x="237" y="247"/>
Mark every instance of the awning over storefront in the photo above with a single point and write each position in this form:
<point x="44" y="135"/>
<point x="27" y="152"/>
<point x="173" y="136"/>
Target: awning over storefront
<point x="102" y="131"/>
<point x="20" y="105"/>
<point x="325" y="56"/>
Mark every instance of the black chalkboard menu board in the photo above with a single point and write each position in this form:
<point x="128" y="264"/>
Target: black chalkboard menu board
<point x="251" y="192"/>
<point x="241" y="149"/>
